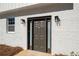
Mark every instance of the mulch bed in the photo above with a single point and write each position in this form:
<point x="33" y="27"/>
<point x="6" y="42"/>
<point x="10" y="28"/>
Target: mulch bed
<point x="6" y="50"/>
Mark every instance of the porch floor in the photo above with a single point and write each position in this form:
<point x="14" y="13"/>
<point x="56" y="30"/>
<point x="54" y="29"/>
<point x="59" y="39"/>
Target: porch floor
<point x="32" y="53"/>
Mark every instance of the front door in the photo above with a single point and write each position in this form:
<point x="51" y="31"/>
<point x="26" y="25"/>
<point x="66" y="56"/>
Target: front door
<point x="38" y="34"/>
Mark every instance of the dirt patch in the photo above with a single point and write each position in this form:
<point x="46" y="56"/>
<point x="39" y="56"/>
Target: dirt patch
<point x="6" y="50"/>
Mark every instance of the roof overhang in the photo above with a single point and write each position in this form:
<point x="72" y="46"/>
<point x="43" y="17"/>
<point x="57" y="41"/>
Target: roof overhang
<point x="37" y="9"/>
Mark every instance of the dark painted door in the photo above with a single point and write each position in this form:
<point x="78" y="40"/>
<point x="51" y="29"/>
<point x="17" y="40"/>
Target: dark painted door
<point x="39" y="28"/>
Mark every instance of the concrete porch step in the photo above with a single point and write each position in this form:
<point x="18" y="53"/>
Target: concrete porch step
<point x="32" y="53"/>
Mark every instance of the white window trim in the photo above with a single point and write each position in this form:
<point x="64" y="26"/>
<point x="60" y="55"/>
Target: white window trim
<point x="11" y="32"/>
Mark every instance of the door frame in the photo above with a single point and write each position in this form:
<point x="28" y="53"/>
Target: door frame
<point x="28" y="34"/>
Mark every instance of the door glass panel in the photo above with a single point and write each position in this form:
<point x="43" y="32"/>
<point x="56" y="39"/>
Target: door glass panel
<point x="40" y="36"/>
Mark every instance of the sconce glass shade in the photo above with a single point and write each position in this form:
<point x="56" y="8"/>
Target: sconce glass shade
<point x="57" y="19"/>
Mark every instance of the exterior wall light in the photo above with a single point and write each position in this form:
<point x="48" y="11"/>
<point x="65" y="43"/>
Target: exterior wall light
<point x="57" y="20"/>
<point x="23" y="21"/>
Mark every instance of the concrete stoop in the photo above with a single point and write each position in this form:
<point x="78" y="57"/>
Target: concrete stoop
<point x="32" y="53"/>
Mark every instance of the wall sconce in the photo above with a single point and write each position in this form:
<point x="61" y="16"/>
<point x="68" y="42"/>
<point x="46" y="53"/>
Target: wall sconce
<point x="23" y="21"/>
<point x="57" y="20"/>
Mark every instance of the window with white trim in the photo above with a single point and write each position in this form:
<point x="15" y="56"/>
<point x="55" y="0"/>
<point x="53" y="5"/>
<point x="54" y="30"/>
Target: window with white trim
<point x="10" y="24"/>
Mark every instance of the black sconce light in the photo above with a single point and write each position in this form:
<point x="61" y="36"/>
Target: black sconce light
<point x="57" y="20"/>
<point x="23" y="21"/>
